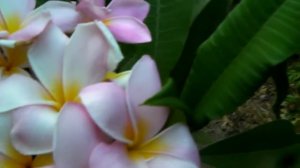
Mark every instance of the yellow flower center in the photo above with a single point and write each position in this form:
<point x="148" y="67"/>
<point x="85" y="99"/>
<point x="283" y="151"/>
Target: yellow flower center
<point x="10" y="23"/>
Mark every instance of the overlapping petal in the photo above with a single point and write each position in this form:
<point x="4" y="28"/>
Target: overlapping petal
<point x="144" y="82"/>
<point x="110" y="155"/>
<point x="31" y="28"/>
<point x="167" y="143"/>
<point x="33" y="127"/>
<point x="3" y="34"/>
<point x="5" y="126"/>
<point x="63" y="14"/>
<point x="46" y="59"/>
<point x="134" y="8"/>
<point x="92" y="9"/>
<point x="20" y="91"/>
<point x="123" y="18"/>
<point x="7" y="152"/>
<point x="76" y="136"/>
<point x="106" y="104"/>
<point x="8" y="43"/>
<point x="91" y="53"/>
<point x="128" y="29"/>
<point x="121" y="79"/>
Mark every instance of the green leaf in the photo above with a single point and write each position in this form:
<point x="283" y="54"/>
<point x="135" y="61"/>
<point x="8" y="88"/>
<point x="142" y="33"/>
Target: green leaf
<point x="211" y="14"/>
<point x="235" y="60"/>
<point x="167" y="97"/>
<point x="169" y="22"/>
<point x="40" y="2"/>
<point x="271" y="145"/>
<point x="203" y="26"/>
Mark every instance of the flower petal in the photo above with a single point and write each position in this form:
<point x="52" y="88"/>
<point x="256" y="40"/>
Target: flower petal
<point x="19" y="91"/>
<point x="128" y="29"/>
<point x="6" y="147"/>
<point x="170" y="162"/>
<point x="75" y="138"/>
<point x="92" y="51"/>
<point x="122" y="79"/>
<point x="168" y="143"/>
<point x="5" y="127"/>
<point x="63" y="14"/>
<point x="31" y="28"/>
<point x="114" y="155"/>
<point x="46" y="58"/>
<point x="16" y="8"/>
<point x="33" y="129"/>
<point x="134" y="8"/>
<point x="3" y="34"/>
<point x="8" y="43"/>
<point x="144" y="83"/>
<point x="100" y="3"/>
<point x="92" y="10"/>
<point x="106" y="104"/>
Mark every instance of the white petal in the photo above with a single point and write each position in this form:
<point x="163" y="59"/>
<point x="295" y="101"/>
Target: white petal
<point x="129" y="30"/>
<point x="6" y="147"/>
<point x="8" y="43"/>
<point x="87" y="58"/>
<point x="176" y="141"/>
<point x="144" y="83"/>
<point x="110" y="155"/>
<point x="46" y="58"/>
<point x="16" y="8"/>
<point x="31" y="29"/>
<point x="106" y="104"/>
<point x="63" y="14"/>
<point x="75" y="138"/>
<point x="18" y="91"/>
<point x="134" y="8"/>
<point x="33" y="129"/>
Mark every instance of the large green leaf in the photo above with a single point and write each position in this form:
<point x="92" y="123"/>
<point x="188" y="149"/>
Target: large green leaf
<point x="273" y="145"/>
<point x="210" y="14"/>
<point x="169" y="22"/>
<point x="235" y="60"/>
<point x="203" y="26"/>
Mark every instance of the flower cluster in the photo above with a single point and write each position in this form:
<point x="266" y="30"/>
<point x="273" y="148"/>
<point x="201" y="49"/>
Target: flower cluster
<point x="69" y="108"/>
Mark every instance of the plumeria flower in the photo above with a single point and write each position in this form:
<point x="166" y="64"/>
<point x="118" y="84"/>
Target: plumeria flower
<point x="10" y="158"/>
<point x="19" y="22"/>
<point x="124" y="18"/>
<point x="138" y="143"/>
<point x="63" y="66"/>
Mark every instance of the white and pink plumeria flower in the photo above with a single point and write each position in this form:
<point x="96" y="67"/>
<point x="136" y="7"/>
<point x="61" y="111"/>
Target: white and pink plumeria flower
<point x="20" y="22"/>
<point x="118" y="112"/>
<point x="124" y="18"/>
<point x="63" y="67"/>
